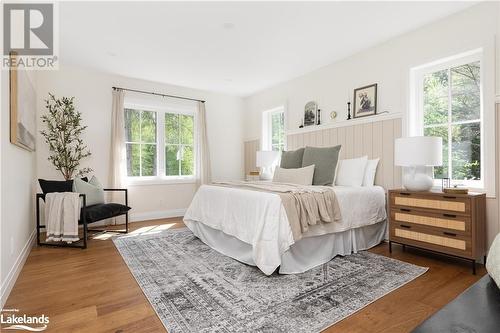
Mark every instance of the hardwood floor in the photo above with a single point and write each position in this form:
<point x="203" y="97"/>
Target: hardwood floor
<point x="93" y="291"/>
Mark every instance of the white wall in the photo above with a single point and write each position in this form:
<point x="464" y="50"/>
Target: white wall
<point x="389" y="64"/>
<point x="92" y="92"/>
<point x="17" y="213"/>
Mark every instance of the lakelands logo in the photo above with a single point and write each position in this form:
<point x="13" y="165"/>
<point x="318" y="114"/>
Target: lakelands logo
<point x="10" y="319"/>
<point x="29" y="35"/>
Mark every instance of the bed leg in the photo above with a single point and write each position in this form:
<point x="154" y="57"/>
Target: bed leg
<point x="390" y="247"/>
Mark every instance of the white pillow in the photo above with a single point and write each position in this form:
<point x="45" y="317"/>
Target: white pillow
<point x="300" y="176"/>
<point x="94" y="194"/>
<point x="351" y="172"/>
<point x="370" y="171"/>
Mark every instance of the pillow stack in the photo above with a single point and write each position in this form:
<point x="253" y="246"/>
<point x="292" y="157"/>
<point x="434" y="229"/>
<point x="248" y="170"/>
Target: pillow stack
<point x="92" y="189"/>
<point x="328" y="170"/>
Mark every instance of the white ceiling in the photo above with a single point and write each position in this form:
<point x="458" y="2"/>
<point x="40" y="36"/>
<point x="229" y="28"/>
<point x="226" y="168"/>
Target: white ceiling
<point x="231" y="47"/>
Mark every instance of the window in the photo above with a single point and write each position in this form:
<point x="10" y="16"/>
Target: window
<point x="274" y="129"/>
<point x="450" y="107"/>
<point x="160" y="143"/>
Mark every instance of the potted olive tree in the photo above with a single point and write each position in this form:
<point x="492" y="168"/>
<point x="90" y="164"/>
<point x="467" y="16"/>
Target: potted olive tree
<point x="63" y="136"/>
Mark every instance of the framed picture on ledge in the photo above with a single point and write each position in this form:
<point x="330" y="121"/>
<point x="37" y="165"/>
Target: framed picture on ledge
<point x="365" y="101"/>
<point x="310" y="113"/>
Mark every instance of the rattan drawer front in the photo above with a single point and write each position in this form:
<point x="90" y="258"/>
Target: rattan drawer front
<point x="433" y="221"/>
<point x="458" y="244"/>
<point x="455" y="206"/>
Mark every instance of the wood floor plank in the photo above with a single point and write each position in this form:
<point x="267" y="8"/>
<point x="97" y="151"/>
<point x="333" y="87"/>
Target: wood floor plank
<point x="93" y="290"/>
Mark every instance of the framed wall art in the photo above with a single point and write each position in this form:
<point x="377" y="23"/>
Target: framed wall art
<point x="365" y="101"/>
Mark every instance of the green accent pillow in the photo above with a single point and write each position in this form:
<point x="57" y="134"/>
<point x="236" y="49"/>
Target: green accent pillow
<point x="92" y="190"/>
<point x="292" y="159"/>
<point x="325" y="161"/>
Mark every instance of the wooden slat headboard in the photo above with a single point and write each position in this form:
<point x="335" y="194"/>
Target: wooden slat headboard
<point x="251" y="147"/>
<point x="375" y="139"/>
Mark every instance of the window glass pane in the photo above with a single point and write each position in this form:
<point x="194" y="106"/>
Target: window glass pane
<point x="187" y="164"/>
<point x="171" y="161"/>
<point x="132" y="125"/>
<point x="148" y="127"/>
<point x="276" y="128"/>
<point x="171" y="128"/>
<point x="436" y="98"/>
<point x="465" y="92"/>
<point x="466" y="151"/>
<point x="148" y="155"/>
<point x="133" y="160"/>
<point x="187" y="129"/>
<point x="440" y="131"/>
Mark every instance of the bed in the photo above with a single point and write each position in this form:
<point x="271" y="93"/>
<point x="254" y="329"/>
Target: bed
<point x="252" y="227"/>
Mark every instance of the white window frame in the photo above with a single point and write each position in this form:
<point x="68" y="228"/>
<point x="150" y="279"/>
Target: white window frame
<point x="416" y="114"/>
<point x="267" y="127"/>
<point x="161" y="177"/>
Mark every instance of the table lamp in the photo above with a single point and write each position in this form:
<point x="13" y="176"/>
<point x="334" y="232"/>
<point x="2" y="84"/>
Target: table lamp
<point x="266" y="160"/>
<point x="416" y="153"/>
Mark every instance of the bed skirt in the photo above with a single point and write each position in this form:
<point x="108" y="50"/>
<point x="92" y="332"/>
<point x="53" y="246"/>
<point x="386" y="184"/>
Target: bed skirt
<point x="305" y="254"/>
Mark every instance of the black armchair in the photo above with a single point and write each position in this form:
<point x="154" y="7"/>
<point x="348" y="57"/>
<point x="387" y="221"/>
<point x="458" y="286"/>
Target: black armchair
<point x="88" y="214"/>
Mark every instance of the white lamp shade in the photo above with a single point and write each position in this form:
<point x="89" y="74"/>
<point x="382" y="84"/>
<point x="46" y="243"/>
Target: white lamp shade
<point x="266" y="158"/>
<point x="418" y="151"/>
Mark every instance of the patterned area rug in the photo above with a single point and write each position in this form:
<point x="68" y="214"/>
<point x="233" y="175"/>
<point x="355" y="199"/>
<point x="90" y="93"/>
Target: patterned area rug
<point x="196" y="289"/>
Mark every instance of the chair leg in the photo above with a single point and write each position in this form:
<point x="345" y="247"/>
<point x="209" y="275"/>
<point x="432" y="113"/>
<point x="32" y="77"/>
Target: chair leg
<point x="126" y="223"/>
<point x="38" y="221"/>
<point x="85" y="234"/>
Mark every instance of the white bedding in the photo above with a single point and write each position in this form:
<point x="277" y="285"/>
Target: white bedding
<point x="259" y="219"/>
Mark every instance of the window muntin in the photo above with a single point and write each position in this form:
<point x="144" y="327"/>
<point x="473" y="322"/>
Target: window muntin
<point x="452" y="109"/>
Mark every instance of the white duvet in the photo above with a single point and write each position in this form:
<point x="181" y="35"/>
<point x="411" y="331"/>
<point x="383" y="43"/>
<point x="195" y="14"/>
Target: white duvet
<point x="259" y="218"/>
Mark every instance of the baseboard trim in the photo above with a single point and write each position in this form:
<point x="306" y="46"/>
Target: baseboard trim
<point x="155" y="215"/>
<point x="11" y="279"/>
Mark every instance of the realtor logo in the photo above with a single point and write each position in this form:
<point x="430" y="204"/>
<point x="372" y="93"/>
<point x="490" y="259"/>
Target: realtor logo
<point x="30" y="35"/>
<point x="28" y="28"/>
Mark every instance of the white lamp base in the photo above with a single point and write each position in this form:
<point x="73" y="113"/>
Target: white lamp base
<point x="417" y="180"/>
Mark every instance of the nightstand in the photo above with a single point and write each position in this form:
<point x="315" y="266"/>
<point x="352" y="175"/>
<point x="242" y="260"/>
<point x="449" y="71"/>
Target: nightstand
<point x="451" y="224"/>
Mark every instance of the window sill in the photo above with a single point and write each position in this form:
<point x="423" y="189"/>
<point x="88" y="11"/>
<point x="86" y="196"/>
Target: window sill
<point x="160" y="181"/>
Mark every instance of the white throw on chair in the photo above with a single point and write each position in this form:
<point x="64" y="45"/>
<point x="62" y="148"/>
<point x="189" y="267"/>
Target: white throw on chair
<point x="62" y="210"/>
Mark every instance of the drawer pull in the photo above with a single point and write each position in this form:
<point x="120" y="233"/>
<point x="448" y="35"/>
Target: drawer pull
<point x="450" y="215"/>
<point x="405" y="210"/>
<point x="403" y="193"/>
<point x="405" y="226"/>
<point x="449" y="234"/>
<point x="449" y="197"/>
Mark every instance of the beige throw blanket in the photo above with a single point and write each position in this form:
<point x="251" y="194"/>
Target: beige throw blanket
<point x="61" y="216"/>
<point x="304" y="205"/>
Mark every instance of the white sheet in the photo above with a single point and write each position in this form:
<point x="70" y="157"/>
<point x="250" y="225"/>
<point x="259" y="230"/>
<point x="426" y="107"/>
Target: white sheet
<point x="259" y="219"/>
